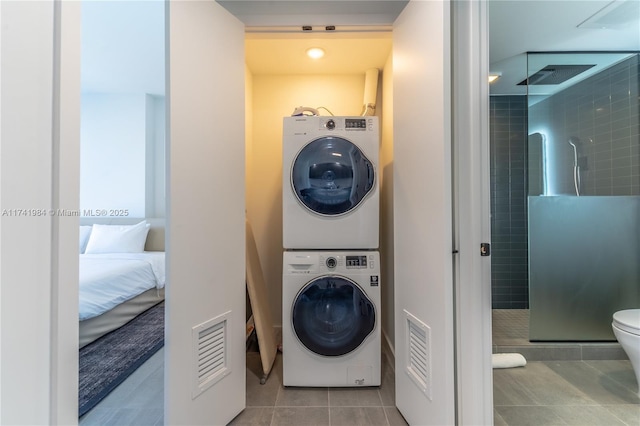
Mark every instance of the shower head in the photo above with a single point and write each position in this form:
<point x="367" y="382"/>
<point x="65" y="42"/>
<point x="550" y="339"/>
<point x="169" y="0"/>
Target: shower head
<point x="574" y="141"/>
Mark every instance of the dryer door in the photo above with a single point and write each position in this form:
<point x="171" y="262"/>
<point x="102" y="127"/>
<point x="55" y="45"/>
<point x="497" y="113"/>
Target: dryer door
<point x="331" y="176"/>
<point x="332" y="316"/>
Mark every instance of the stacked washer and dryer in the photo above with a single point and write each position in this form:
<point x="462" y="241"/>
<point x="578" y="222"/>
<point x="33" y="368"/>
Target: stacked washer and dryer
<point x="331" y="267"/>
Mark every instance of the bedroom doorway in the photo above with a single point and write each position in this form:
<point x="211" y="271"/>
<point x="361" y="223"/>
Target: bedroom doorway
<point x="122" y="200"/>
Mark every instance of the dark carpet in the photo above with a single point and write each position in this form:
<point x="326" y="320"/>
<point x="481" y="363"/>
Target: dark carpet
<point x="108" y="361"/>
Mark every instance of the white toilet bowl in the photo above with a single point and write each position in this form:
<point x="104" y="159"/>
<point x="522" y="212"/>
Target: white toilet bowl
<point x="626" y="327"/>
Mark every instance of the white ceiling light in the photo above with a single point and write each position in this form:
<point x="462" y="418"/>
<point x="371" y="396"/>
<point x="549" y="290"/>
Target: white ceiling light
<point x="315" y="53"/>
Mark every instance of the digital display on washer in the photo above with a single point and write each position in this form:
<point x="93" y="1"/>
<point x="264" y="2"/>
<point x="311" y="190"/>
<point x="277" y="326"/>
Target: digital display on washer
<point x="355" y="123"/>
<point x="356" y="262"/>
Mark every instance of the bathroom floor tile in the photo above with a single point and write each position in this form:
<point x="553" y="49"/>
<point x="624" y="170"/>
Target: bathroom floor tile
<point x="301" y="416"/>
<point x="302" y="397"/>
<point x="357" y="416"/>
<point x="358" y="397"/>
<point x="594" y="383"/>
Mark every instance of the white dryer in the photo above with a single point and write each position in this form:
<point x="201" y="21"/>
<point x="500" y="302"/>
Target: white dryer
<point x="331" y="318"/>
<point x="330" y="188"/>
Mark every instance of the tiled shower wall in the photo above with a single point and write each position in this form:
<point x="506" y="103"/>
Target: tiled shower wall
<point x="602" y="112"/>
<point x="509" y="258"/>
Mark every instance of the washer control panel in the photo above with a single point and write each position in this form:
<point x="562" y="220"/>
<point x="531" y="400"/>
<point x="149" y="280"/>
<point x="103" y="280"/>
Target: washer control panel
<point x="309" y="263"/>
<point x="356" y="262"/>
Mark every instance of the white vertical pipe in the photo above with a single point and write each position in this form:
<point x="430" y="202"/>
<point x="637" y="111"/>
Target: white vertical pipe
<point x="370" y="91"/>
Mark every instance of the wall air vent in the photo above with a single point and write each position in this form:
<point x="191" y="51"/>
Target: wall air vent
<point x="210" y="361"/>
<point x="554" y="74"/>
<point x="418" y="360"/>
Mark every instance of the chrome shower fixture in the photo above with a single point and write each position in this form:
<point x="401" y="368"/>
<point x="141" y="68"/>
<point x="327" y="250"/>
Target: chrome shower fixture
<point x="574" y="141"/>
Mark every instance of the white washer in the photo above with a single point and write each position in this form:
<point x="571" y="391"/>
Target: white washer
<point x="331" y="318"/>
<point x="330" y="182"/>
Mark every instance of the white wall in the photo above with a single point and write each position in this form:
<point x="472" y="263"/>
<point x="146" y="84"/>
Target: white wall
<point x="26" y="156"/>
<point x="275" y="97"/>
<point x="39" y="142"/>
<point x="122" y="154"/>
<point x="113" y="156"/>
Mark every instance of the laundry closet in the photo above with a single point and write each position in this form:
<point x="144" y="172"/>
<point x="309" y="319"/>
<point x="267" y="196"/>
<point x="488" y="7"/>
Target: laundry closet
<point x="209" y="74"/>
<point x="280" y="78"/>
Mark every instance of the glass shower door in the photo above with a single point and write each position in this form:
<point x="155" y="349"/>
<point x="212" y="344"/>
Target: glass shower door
<point x="584" y="193"/>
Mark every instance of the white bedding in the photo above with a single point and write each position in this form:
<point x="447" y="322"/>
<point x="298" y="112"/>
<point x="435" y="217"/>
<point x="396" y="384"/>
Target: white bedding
<point x="107" y="280"/>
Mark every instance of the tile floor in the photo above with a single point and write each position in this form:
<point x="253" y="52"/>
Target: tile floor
<point x="273" y="404"/>
<point x="598" y="392"/>
<point x="585" y="391"/>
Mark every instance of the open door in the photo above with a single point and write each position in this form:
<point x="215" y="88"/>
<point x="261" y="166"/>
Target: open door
<point x="206" y="215"/>
<point x="424" y="328"/>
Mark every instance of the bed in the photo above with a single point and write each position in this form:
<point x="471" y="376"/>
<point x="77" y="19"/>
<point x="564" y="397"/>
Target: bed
<point x="122" y="273"/>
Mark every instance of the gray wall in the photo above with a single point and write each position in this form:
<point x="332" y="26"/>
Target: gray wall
<point x="602" y="111"/>
<point x="509" y="265"/>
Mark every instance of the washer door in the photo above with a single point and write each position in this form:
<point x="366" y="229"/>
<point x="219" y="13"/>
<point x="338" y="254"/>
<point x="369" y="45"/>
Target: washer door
<point x="332" y="316"/>
<point x="331" y="176"/>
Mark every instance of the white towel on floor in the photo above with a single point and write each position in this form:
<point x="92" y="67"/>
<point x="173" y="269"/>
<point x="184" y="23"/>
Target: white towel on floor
<point x="508" y="360"/>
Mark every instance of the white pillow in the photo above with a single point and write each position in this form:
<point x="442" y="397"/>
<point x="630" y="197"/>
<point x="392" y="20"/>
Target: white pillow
<point x="118" y="238"/>
<point x="85" y="231"/>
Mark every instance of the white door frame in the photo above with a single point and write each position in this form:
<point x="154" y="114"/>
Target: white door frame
<point x="472" y="272"/>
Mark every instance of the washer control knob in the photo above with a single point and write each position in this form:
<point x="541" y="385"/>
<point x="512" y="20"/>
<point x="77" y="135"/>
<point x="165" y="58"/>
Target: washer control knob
<point x="330" y="125"/>
<point x="331" y="262"/>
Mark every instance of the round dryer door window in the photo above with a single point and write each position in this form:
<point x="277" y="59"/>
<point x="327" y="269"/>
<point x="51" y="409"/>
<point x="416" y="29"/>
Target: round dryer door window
<point x="332" y="316"/>
<point x="331" y="176"/>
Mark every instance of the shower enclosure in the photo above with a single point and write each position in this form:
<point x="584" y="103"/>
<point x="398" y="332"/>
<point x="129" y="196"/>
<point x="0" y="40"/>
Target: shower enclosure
<point x="583" y="185"/>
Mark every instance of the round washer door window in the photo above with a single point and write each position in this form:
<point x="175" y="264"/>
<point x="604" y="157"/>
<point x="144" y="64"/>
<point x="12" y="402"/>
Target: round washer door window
<point x="331" y="176"/>
<point x="332" y="316"/>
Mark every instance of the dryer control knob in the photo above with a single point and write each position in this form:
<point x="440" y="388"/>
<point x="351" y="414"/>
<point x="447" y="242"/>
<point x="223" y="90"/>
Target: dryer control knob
<point x="330" y="125"/>
<point x="331" y="262"/>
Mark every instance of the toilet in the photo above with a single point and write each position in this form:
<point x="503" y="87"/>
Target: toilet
<point x="626" y="327"/>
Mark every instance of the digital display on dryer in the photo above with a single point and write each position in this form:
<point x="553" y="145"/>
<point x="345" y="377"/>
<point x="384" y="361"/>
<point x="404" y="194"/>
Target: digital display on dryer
<point x="356" y="262"/>
<point x="355" y="123"/>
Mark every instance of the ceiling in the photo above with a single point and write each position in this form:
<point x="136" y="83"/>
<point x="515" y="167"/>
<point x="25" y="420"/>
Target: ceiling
<point x="517" y="27"/>
<point x="123" y="42"/>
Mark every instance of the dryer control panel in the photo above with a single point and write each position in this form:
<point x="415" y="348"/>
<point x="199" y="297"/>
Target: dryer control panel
<point x="355" y="123"/>
<point x="341" y="124"/>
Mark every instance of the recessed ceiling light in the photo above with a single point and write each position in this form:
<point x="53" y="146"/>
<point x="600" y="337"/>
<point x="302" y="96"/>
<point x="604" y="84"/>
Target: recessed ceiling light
<point x="315" y="53"/>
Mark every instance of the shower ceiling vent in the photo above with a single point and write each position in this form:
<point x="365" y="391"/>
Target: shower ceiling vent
<point x="554" y="74"/>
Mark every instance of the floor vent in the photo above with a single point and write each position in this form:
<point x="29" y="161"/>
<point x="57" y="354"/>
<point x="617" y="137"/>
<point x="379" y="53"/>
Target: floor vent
<point x="210" y="353"/>
<point x="418" y="361"/>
